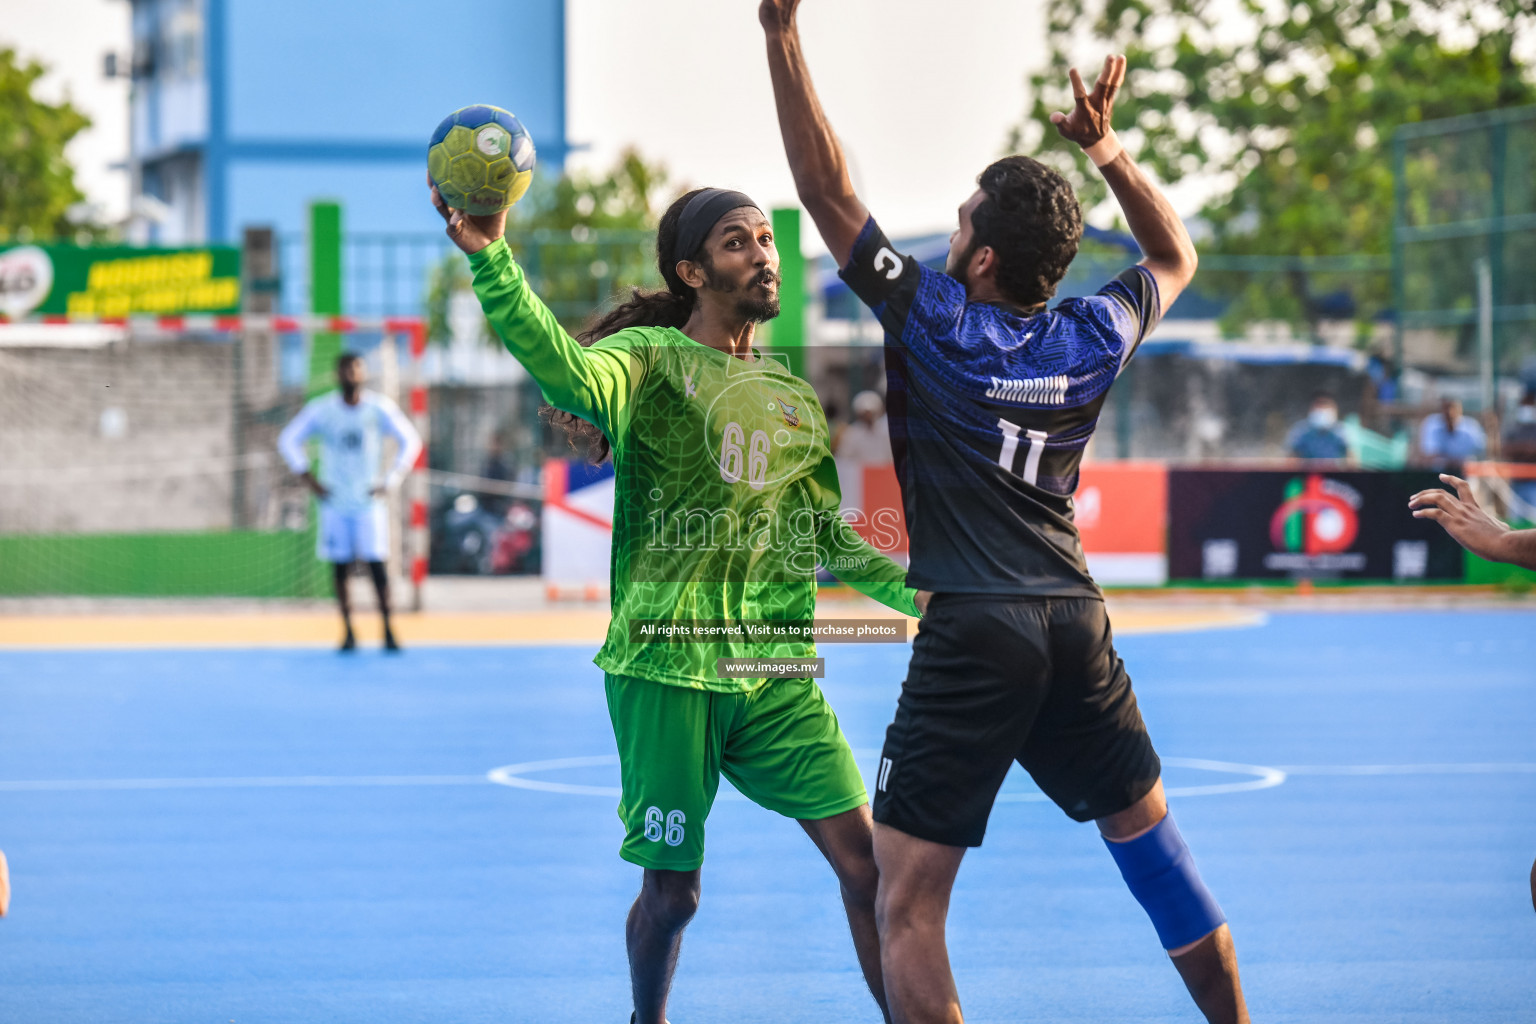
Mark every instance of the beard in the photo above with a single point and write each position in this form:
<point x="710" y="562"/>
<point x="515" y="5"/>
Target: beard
<point x="759" y="310"/>
<point x="752" y="306"/>
<point x="956" y="263"/>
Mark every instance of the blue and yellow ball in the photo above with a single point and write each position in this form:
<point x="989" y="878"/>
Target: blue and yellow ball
<point x="481" y="159"/>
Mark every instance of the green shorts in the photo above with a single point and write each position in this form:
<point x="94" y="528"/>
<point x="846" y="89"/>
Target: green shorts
<point x="779" y="744"/>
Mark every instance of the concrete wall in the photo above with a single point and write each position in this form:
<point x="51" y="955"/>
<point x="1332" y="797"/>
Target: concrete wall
<point x="132" y="437"/>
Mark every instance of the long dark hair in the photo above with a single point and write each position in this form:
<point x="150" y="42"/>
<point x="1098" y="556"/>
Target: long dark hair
<point x="668" y="307"/>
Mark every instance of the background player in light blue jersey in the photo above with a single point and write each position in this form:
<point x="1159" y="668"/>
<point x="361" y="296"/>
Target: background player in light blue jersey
<point x="351" y="424"/>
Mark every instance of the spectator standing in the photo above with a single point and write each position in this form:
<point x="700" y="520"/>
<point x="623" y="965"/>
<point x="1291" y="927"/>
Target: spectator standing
<point x="1319" y="436"/>
<point x="1382" y="393"/>
<point x="835" y="424"/>
<point x="1519" y="444"/>
<point x="864" y="442"/>
<point x="495" y="468"/>
<point x="867" y="440"/>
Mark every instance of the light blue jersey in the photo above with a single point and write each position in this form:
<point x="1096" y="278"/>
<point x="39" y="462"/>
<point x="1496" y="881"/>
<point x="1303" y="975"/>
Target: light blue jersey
<point x="351" y="446"/>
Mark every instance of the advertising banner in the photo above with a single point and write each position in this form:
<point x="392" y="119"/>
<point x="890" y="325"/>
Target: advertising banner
<point x="1266" y="524"/>
<point x="1122" y="516"/>
<point x="117" y="281"/>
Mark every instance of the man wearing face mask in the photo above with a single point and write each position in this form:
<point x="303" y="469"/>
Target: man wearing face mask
<point x="1319" y="436"/>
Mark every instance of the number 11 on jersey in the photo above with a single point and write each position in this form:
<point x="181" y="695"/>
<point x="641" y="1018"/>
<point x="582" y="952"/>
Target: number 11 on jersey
<point x="1010" y="451"/>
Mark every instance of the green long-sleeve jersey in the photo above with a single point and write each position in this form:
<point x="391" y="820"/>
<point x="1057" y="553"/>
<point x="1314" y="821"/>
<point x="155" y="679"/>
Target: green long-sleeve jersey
<point x="726" y="496"/>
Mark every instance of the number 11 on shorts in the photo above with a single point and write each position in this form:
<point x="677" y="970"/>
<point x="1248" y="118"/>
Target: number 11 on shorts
<point x="670" y="829"/>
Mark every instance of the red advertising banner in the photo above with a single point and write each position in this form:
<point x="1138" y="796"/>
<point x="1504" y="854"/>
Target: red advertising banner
<point x="881" y="521"/>
<point x="1122" y="507"/>
<point x="1122" y="514"/>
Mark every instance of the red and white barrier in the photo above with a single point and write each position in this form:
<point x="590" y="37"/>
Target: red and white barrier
<point x="417" y="487"/>
<point x="577" y="527"/>
<point x="305" y="322"/>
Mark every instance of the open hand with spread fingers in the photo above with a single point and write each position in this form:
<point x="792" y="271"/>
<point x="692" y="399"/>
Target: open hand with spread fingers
<point x="1089" y="121"/>
<point x="1465" y="520"/>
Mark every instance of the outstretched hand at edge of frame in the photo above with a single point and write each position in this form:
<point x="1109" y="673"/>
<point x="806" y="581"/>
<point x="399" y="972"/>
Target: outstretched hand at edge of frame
<point x="1462" y="517"/>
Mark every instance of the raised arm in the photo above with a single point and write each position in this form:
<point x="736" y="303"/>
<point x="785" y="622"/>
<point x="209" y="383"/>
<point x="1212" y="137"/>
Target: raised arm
<point x="1168" y="253"/>
<point x="815" y="156"/>
<point x="594" y="383"/>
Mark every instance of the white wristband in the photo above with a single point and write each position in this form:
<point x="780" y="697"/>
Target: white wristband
<point x="1106" y="151"/>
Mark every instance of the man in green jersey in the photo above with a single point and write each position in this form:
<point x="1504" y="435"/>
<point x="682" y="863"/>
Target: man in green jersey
<point x="726" y="499"/>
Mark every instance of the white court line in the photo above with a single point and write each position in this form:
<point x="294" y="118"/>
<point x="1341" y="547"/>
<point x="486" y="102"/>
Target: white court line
<point x="236" y="782"/>
<point x="513" y="775"/>
<point x="1264" y="777"/>
<point x="1491" y="768"/>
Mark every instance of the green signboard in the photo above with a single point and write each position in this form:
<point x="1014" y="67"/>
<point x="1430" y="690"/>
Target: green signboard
<point x="117" y="281"/>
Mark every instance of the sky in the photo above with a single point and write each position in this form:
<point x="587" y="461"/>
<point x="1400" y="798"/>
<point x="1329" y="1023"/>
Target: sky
<point x="70" y="37"/>
<point x="922" y="93"/>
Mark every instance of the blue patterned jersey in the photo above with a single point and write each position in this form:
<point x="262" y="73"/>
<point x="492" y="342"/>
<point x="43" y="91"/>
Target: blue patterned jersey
<point x="990" y="410"/>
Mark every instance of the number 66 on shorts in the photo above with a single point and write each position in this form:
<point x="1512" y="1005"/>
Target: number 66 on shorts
<point x="672" y="832"/>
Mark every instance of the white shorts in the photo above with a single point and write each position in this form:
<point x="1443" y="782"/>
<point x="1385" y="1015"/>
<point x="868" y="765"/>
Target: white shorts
<point x="353" y="536"/>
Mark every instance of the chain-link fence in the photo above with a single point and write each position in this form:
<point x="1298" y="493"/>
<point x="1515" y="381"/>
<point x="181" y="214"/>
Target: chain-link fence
<point x="1464" y="243"/>
<point x="394" y="274"/>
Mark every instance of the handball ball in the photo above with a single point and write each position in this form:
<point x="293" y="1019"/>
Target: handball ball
<point x="481" y="159"/>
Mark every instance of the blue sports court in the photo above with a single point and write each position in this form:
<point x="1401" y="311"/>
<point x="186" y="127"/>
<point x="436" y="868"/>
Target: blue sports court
<point x="286" y="835"/>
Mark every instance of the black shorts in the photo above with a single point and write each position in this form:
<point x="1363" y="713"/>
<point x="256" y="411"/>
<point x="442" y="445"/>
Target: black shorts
<point x="995" y="680"/>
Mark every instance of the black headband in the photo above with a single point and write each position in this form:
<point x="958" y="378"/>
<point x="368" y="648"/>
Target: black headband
<point x="702" y="213"/>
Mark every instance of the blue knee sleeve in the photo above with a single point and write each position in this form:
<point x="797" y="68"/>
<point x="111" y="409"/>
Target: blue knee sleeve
<point x="1161" y="874"/>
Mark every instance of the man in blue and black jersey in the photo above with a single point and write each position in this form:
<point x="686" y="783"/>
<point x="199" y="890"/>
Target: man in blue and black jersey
<point x="992" y="398"/>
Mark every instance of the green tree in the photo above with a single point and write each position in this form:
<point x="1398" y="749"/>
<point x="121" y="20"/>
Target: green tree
<point x="581" y="237"/>
<point x="1289" y="108"/>
<point x="621" y="198"/>
<point x="37" y="183"/>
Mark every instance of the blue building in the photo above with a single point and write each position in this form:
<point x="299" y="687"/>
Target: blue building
<point x="244" y="111"/>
